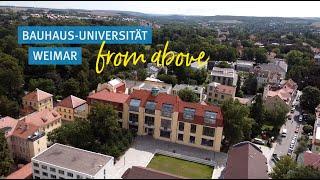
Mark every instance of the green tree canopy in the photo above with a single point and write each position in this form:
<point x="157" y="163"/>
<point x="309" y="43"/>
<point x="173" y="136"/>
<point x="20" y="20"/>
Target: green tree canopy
<point x="282" y="167"/>
<point x="188" y="95"/>
<point x="237" y="124"/>
<point x="310" y="98"/>
<point x="8" y="107"/>
<point x="43" y="84"/>
<point x="6" y="160"/>
<point x="70" y="87"/>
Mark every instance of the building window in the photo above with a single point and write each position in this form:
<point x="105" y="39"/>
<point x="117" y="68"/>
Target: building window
<point x="133" y="118"/>
<point x="210" y="94"/>
<point x="65" y="110"/>
<point x="35" y="164"/>
<point x="222" y="96"/>
<point x="65" y="116"/>
<point x="210" y="88"/>
<point x="69" y="117"/>
<point x="36" y="177"/>
<point x="180" y="137"/>
<point x="53" y="176"/>
<point x="134" y="105"/>
<point x="165" y="134"/>
<point x="215" y="95"/>
<point x="166" y="124"/>
<point x="181" y="126"/>
<point x="193" y="128"/>
<point x="150" y="107"/>
<point x="167" y="110"/>
<point x="207" y="131"/>
<point x="79" y="177"/>
<point x="210" y="117"/>
<point x="52" y="169"/>
<point x="206" y="142"/>
<point x="36" y="171"/>
<point x="44" y="167"/>
<point x="192" y="139"/>
<point x="61" y="172"/>
<point x="120" y="115"/>
<point x="44" y="174"/>
<point x="61" y="178"/>
<point x="188" y="113"/>
<point x="149" y="120"/>
<point x="69" y="174"/>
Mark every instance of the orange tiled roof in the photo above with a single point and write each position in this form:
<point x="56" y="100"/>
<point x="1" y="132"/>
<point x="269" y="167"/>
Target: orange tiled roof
<point x="42" y="118"/>
<point x="37" y="95"/>
<point x="105" y="95"/>
<point x="71" y="102"/>
<point x="8" y="122"/>
<point x="24" y="130"/>
<point x="23" y="173"/>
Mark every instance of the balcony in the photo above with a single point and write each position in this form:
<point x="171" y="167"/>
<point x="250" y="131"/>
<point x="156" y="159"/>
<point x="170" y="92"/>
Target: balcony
<point x="165" y="128"/>
<point x="149" y="125"/>
<point x="135" y="123"/>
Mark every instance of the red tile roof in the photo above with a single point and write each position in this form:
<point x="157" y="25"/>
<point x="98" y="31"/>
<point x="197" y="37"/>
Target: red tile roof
<point x="42" y="118"/>
<point x="137" y="172"/>
<point x="71" y="102"/>
<point x="311" y="159"/>
<point x="24" y="130"/>
<point x="226" y="89"/>
<point x="178" y="105"/>
<point x="246" y="161"/>
<point x="8" y="124"/>
<point x="105" y="95"/>
<point x="37" y="95"/>
<point x="23" y="173"/>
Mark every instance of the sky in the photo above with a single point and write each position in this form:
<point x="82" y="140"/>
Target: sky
<point x="203" y="8"/>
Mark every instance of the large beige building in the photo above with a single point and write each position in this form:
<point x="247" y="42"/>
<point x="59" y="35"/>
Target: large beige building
<point x="72" y="107"/>
<point x="167" y="117"/>
<point x="218" y="93"/>
<point x="225" y="76"/>
<point x="26" y="141"/>
<point x="37" y="100"/>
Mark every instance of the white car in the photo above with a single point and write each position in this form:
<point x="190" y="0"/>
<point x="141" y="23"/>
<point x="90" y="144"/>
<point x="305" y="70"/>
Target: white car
<point x="300" y="118"/>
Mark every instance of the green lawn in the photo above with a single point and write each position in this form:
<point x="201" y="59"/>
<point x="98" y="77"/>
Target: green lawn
<point x="180" y="167"/>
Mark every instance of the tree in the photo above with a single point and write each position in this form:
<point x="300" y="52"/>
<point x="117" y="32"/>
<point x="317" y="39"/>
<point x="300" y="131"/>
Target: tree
<point x="236" y="121"/>
<point x="250" y="85"/>
<point x="70" y="87"/>
<point x="8" y="107"/>
<point x="170" y="79"/>
<point x="307" y="129"/>
<point x="77" y="134"/>
<point x="304" y="172"/>
<point x="142" y="74"/>
<point x="276" y="116"/>
<point x="103" y="120"/>
<point x="310" y="98"/>
<point x="43" y="84"/>
<point x="6" y="160"/>
<point x="239" y="92"/>
<point x="257" y="112"/>
<point x="302" y="146"/>
<point x="282" y="167"/>
<point x="261" y="55"/>
<point x="188" y="95"/>
<point x="295" y="57"/>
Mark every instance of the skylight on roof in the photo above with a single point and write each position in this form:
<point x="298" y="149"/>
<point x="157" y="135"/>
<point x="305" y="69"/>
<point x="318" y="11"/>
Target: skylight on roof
<point x="210" y="117"/>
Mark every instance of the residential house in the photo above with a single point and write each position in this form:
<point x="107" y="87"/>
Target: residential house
<point x="196" y="66"/>
<point x="46" y="120"/>
<point x="114" y="85"/>
<point x="284" y="94"/>
<point x="36" y="100"/>
<point x="316" y="132"/>
<point x="148" y="84"/>
<point x="218" y="93"/>
<point x="167" y="117"/>
<point x="247" y="101"/>
<point x="66" y="162"/>
<point x="198" y="90"/>
<point x="8" y="124"/>
<point x="309" y="158"/>
<point x="137" y="172"/>
<point x="153" y="70"/>
<point x="72" y="107"/>
<point x="246" y="161"/>
<point x="27" y="141"/>
<point x="225" y="76"/>
<point x="242" y="65"/>
<point x="24" y="172"/>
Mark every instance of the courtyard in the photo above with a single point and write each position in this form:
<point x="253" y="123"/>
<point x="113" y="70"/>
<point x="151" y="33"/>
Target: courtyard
<point x="180" y="167"/>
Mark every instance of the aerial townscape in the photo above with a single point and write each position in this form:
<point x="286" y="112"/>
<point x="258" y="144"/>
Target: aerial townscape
<point x="251" y="112"/>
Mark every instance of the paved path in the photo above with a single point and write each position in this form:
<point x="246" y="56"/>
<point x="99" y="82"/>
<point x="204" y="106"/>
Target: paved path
<point x="144" y="147"/>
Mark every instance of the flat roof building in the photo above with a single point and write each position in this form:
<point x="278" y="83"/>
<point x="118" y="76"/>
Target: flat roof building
<point x="225" y="76"/>
<point x="61" y="161"/>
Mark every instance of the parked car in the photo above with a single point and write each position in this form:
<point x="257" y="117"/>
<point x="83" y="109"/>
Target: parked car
<point x="258" y="141"/>
<point x="275" y="157"/>
<point x="284" y="133"/>
<point x="292" y="110"/>
<point x="289" y="152"/>
<point x="300" y="118"/>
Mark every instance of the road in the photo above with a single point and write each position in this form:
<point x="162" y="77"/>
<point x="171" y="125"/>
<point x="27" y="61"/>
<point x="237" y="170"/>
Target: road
<point x="283" y="143"/>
